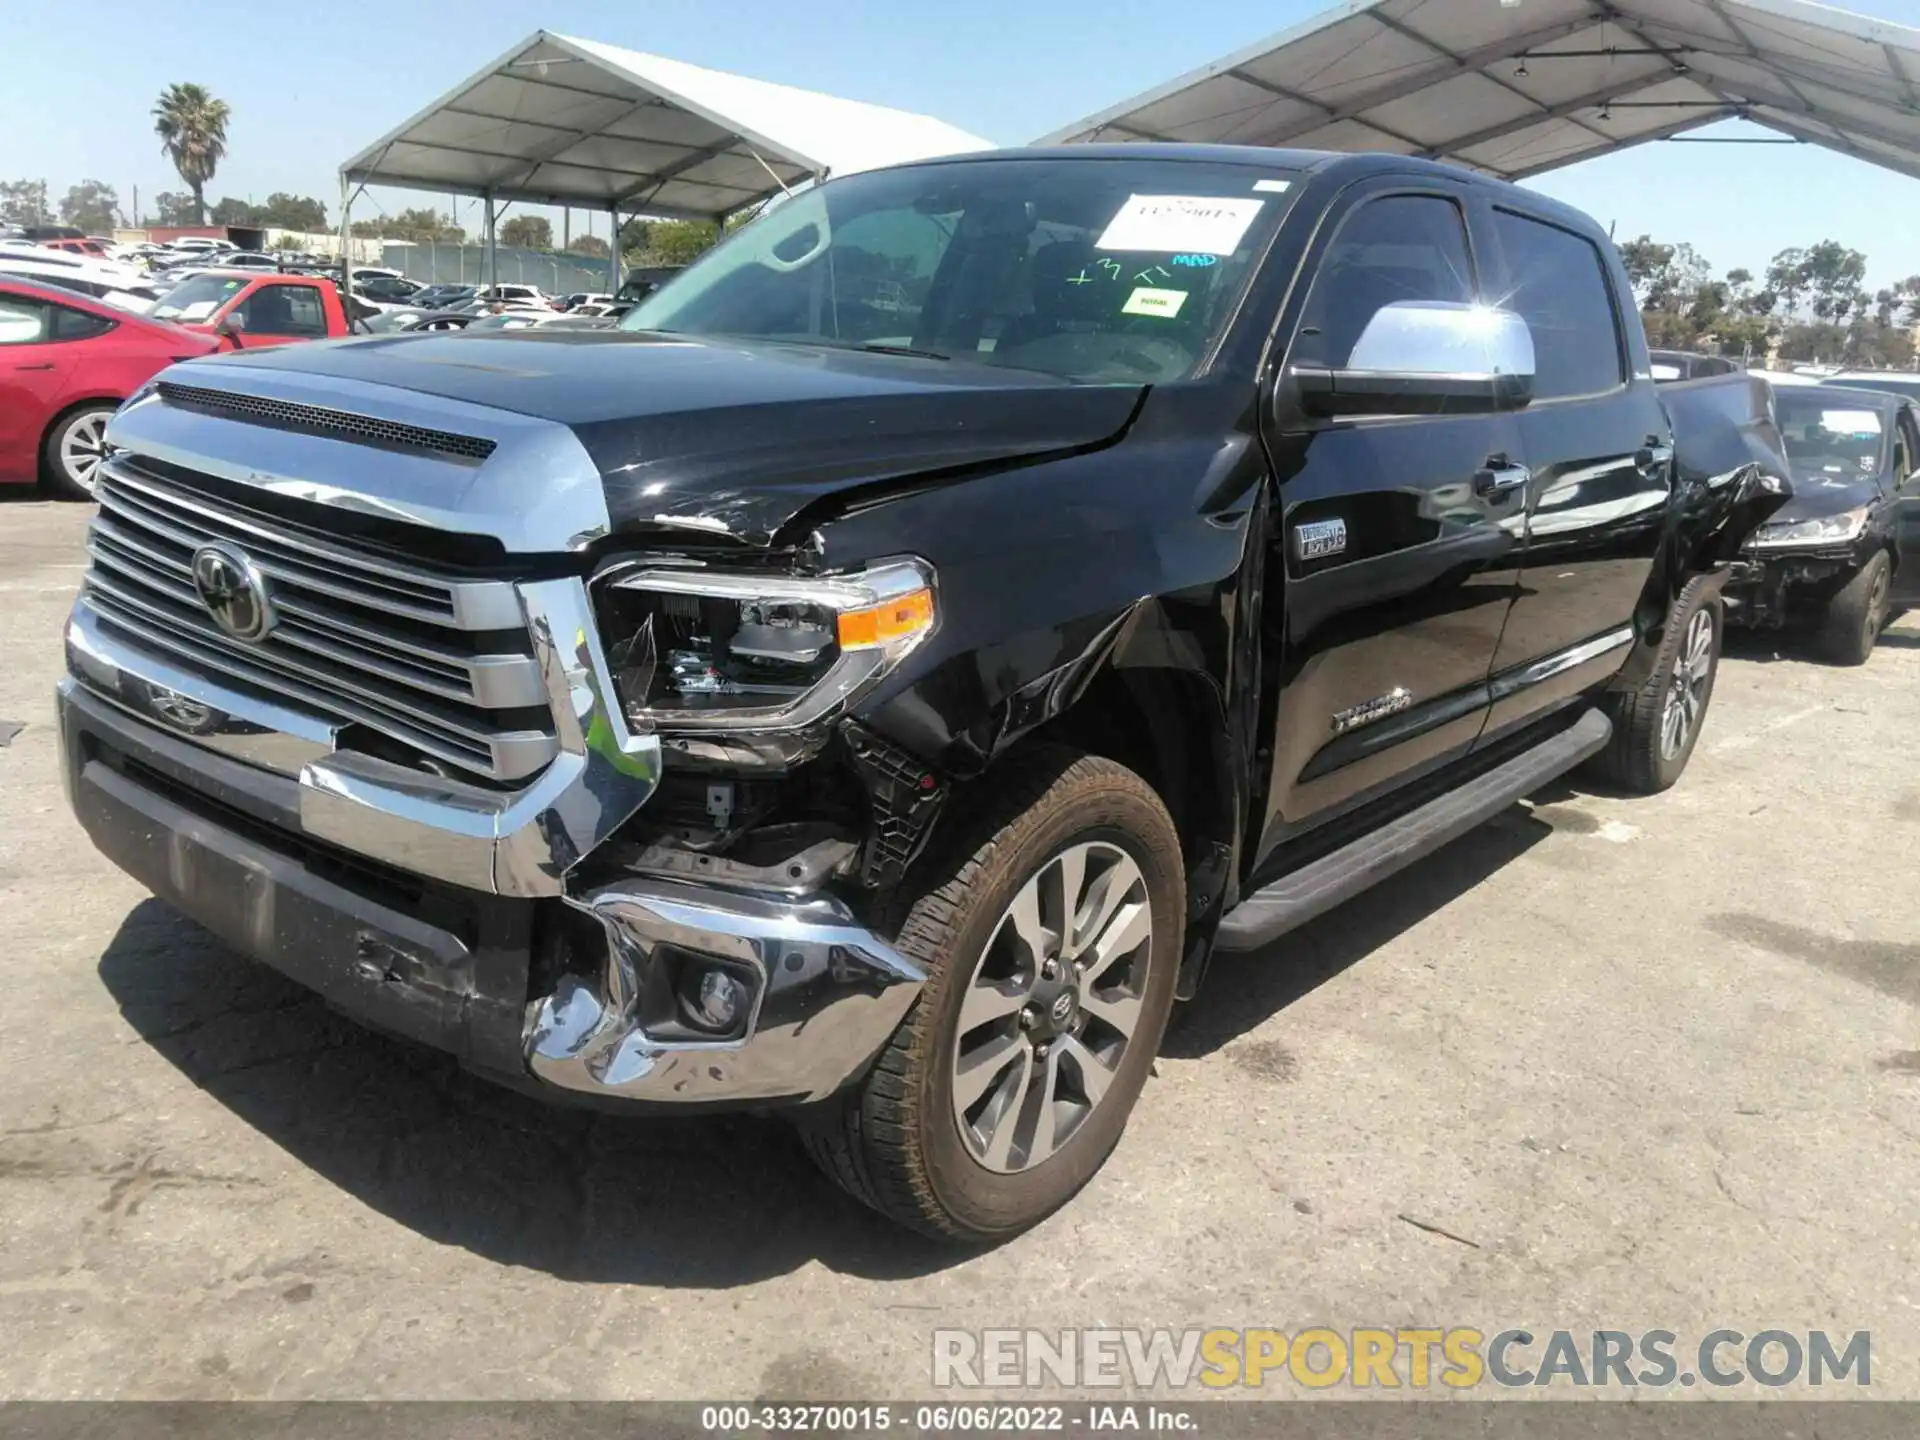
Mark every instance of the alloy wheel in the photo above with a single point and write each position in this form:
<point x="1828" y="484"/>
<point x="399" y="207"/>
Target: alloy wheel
<point x="1687" y="691"/>
<point x="1051" y="1006"/>
<point x="82" y="449"/>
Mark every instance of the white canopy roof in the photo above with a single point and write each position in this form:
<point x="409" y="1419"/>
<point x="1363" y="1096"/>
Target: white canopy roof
<point x="562" y="121"/>
<point x="1520" y="86"/>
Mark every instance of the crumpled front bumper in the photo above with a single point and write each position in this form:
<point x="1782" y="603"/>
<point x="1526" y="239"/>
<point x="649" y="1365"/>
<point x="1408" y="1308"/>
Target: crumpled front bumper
<point x="389" y="901"/>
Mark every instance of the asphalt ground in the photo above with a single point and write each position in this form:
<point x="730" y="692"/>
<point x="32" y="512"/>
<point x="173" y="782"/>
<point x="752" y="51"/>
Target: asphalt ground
<point x="1607" y="1063"/>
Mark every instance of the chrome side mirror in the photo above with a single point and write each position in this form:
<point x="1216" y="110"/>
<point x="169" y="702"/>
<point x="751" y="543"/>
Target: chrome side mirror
<point x="1427" y="357"/>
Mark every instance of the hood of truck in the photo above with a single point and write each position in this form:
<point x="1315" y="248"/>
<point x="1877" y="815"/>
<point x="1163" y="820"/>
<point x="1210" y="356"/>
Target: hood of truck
<point x="737" y="438"/>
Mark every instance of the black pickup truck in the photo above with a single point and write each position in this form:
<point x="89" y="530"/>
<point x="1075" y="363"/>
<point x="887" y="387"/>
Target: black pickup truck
<point x="874" y="680"/>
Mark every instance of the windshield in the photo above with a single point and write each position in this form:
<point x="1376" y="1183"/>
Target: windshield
<point x="199" y="297"/>
<point x="1825" y="434"/>
<point x="1094" y="270"/>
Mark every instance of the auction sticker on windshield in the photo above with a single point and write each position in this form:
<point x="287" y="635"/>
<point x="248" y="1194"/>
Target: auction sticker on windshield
<point x="1148" y="301"/>
<point x="1207" y="224"/>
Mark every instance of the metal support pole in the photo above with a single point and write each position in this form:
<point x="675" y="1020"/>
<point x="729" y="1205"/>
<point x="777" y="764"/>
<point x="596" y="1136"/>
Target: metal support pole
<point x="613" y="250"/>
<point x="493" y="260"/>
<point x="346" y="232"/>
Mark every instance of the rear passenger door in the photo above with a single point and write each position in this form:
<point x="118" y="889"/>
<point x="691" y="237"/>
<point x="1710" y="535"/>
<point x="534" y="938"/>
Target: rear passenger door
<point x="1398" y="549"/>
<point x="1597" y="442"/>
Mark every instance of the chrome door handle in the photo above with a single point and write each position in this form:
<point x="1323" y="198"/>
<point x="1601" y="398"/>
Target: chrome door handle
<point x="1500" y="477"/>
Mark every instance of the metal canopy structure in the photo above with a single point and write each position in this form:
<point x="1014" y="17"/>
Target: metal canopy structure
<point x="1516" y="87"/>
<point x="560" y="121"/>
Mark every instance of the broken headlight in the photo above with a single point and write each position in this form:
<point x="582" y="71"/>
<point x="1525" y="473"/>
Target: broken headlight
<point x="693" y="650"/>
<point x="1823" y="530"/>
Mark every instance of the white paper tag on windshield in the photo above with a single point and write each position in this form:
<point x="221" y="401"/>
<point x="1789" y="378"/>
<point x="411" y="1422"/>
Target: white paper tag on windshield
<point x="1273" y="187"/>
<point x="199" y="310"/>
<point x="1203" y="224"/>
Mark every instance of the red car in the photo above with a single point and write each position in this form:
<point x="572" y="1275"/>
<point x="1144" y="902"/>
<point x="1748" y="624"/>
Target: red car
<point x="66" y="363"/>
<point x="247" y="311"/>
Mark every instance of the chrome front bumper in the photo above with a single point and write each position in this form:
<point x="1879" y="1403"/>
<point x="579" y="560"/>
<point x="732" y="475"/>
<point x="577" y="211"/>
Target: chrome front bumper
<point x="827" y="993"/>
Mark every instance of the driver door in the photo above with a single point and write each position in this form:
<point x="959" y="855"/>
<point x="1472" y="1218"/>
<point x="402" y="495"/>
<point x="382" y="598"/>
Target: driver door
<point x="1400" y="537"/>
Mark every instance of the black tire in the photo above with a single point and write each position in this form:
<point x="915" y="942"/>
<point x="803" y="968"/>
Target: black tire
<point x="67" y="476"/>
<point x="895" y="1142"/>
<point x="1640" y="758"/>
<point x="1854" y="618"/>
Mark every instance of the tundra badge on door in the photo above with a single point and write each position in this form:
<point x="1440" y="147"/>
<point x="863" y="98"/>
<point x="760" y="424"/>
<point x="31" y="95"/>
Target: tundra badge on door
<point x="1317" y="539"/>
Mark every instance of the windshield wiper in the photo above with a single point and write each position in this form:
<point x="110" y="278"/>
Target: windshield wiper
<point x="875" y="347"/>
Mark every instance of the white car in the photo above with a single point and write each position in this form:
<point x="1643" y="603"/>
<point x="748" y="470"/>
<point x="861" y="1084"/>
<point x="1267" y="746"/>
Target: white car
<point x="134" y="296"/>
<point x="514" y="295"/>
<point x="369" y="272"/>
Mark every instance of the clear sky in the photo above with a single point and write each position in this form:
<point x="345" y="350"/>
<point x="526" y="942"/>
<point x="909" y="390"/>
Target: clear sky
<point x="311" y="83"/>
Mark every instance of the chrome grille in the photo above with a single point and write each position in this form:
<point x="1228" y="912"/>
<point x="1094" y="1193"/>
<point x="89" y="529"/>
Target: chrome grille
<point x="441" y="665"/>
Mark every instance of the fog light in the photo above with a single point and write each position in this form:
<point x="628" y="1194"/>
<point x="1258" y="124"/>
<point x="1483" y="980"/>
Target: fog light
<point x="712" y="999"/>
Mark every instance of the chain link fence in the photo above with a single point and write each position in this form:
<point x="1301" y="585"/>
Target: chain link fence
<point x="549" y="271"/>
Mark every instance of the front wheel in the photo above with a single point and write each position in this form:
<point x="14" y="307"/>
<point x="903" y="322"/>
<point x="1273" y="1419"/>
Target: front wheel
<point x="1656" y="726"/>
<point x="74" y="449"/>
<point x="1051" y="934"/>
<point x="1855" y="616"/>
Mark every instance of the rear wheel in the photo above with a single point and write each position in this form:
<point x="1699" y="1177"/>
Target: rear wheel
<point x="74" y="449"/>
<point x="1051" y="934"/>
<point x="1656" y="726"/>
<point x="1855" y="616"/>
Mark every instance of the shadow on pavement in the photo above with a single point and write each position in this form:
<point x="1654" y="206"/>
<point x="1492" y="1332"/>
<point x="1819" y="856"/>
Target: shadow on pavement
<point x="710" y="1202"/>
<point x="1242" y="991"/>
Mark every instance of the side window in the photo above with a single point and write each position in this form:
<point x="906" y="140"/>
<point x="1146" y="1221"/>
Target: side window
<point x="1399" y="247"/>
<point x="1906" y="445"/>
<point x="284" y="310"/>
<point x="77" y="324"/>
<point x="23" y="322"/>
<point x="1559" y="287"/>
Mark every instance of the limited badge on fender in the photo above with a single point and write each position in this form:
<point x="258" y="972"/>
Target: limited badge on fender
<point x="1317" y="539"/>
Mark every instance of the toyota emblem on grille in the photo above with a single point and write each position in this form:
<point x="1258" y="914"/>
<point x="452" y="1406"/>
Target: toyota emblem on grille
<point x="231" y="587"/>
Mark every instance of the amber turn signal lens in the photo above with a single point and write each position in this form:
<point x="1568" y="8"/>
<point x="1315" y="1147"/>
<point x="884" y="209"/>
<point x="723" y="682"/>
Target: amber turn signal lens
<point x="900" y="618"/>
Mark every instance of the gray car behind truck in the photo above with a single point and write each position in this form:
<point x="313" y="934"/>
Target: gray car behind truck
<point x="873" y="681"/>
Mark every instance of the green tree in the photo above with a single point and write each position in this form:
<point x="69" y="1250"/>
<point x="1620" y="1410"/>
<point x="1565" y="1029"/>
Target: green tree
<point x="91" y="205"/>
<point x="172" y="208"/>
<point x="1646" y="261"/>
<point x="422" y="226"/>
<point x="294" y="212"/>
<point x="229" y="211"/>
<point x="24" y="202"/>
<point x="192" y="127"/>
<point x="675" y="242"/>
<point x="588" y="245"/>
<point x="527" y="232"/>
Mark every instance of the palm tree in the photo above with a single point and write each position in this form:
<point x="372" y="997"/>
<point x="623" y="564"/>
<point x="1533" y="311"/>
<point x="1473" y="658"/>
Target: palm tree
<point x="192" y="127"/>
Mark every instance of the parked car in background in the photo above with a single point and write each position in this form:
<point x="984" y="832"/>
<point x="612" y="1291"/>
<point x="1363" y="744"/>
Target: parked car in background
<point x="251" y="312"/>
<point x="642" y="282"/>
<point x="362" y="273"/>
<point x="434" y="297"/>
<point x="1844" y="553"/>
<point x="66" y="363"/>
<point x="1904" y="383"/>
<point x="1686" y="365"/>
<point x="578" y="298"/>
<point x="513" y="294"/>
<point x="84" y="278"/>
<point x="248" y="260"/>
<point x="388" y="290"/>
<point x="910" y="687"/>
